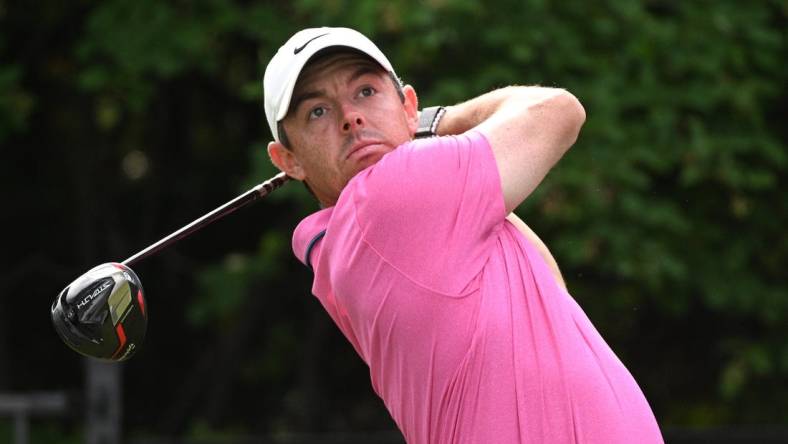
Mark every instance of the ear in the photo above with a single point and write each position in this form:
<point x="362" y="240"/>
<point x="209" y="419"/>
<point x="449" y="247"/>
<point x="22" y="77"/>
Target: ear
<point x="411" y="105"/>
<point x="285" y="160"/>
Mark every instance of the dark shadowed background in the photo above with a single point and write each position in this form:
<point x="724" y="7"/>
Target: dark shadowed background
<point x="121" y="121"/>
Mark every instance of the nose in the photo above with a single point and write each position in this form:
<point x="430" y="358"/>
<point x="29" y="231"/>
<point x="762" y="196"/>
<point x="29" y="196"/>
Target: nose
<point x="352" y="121"/>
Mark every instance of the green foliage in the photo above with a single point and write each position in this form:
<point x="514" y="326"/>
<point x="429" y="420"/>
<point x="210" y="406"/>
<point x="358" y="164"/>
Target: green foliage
<point x="128" y="44"/>
<point x="15" y="103"/>
<point x="226" y="285"/>
<point x="41" y="431"/>
<point x="667" y="217"/>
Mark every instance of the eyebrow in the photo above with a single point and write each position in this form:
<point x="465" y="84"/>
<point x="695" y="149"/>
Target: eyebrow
<point x="301" y="98"/>
<point x="363" y="70"/>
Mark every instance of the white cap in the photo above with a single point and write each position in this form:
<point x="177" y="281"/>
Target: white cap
<point x="284" y="68"/>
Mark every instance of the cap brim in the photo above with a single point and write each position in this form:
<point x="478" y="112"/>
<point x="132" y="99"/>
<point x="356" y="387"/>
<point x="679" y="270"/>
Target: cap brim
<point x="331" y="40"/>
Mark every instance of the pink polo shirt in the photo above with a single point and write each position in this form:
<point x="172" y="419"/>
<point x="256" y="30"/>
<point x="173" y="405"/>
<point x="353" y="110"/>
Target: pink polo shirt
<point x="467" y="336"/>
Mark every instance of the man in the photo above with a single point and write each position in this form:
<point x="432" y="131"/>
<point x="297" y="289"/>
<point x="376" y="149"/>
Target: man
<point x="455" y="305"/>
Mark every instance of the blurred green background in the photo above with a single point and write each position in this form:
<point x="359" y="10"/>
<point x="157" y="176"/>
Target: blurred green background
<point x="121" y="121"/>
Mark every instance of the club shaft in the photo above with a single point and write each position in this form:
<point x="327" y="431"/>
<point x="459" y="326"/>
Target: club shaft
<point x="244" y="199"/>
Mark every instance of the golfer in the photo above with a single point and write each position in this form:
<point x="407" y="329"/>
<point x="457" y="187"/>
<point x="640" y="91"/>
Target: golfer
<point x="456" y="306"/>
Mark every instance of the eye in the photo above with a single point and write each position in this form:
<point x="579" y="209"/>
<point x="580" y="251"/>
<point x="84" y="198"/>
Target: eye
<point x="317" y="112"/>
<point x="367" y="91"/>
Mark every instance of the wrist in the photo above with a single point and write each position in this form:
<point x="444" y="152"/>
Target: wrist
<point x="458" y="119"/>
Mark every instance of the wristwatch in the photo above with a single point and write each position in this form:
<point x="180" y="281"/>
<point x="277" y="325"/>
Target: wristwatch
<point x="428" y="121"/>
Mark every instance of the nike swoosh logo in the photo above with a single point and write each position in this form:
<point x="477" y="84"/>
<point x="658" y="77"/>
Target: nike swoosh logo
<point x="300" y="48"/>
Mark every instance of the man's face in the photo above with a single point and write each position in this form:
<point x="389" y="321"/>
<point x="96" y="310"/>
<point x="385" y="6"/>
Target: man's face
<point x="345" y="114"/>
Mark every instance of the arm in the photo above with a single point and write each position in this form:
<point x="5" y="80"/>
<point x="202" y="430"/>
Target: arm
<point x="529" y="130"/>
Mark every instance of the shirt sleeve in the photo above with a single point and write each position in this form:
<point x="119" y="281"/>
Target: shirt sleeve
<point x="432" y="209"/>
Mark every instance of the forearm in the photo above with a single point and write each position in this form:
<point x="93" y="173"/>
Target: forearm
<point x="467" y="115"/>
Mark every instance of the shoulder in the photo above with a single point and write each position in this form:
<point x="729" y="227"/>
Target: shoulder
<point x="422" y="170"/>
<point x="430" y="205"/>
<point x="310" y="230"/>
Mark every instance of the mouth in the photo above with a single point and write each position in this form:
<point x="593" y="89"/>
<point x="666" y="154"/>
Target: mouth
<point x="362" y="148"/>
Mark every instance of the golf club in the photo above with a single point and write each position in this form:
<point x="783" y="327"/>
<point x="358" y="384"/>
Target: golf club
<point x="103" y="314"/>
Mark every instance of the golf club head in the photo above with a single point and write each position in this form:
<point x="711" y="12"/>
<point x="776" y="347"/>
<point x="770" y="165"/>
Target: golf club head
<point x="102" y="314"/>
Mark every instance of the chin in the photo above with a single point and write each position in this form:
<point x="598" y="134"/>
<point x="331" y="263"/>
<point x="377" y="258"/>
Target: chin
<point x="368" y="161"/>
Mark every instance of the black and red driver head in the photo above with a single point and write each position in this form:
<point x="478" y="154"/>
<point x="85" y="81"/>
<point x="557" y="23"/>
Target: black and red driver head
<point x="102" y="314"/>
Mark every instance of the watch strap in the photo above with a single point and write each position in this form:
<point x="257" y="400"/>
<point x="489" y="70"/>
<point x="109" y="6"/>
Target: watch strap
<point x="428" y="121"/>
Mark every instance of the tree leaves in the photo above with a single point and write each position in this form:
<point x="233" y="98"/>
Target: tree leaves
<point x="667" y="217"/>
